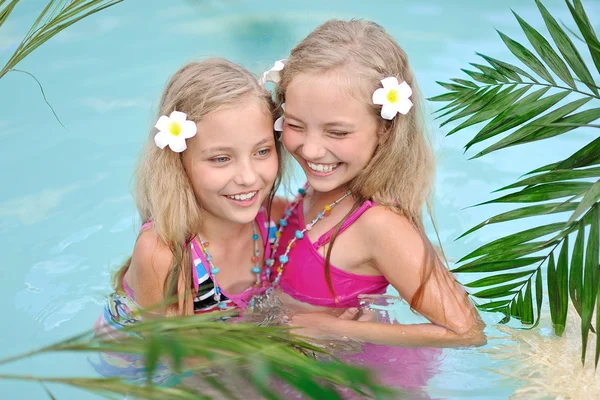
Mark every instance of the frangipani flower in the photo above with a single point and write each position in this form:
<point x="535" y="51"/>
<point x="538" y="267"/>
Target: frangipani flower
<point x="393" y="97"/>
<point x="278" y="125"/>
<point x="273" y="75"/>
<point x="173" y="131"/>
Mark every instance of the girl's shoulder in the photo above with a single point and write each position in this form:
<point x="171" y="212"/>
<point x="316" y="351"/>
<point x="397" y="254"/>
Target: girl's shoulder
<point x="151" y="256"/>
<point x="377" y="217"/>
<point x="385" y="227"/>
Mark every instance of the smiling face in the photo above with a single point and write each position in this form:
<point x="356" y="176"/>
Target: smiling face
<point x="331" y="133"/>
<point x="232" y="161"/>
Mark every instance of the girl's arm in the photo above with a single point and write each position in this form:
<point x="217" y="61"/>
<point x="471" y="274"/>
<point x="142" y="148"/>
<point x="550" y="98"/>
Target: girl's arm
<point x="150" y="265"/>
<point x="398" y="251"/>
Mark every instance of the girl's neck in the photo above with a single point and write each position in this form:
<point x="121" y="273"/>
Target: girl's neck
<point x="320" y="199"/>
<point x="218" y="230"/>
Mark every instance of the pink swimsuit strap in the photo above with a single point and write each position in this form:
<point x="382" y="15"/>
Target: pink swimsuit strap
<point x="326" y="237"/>
<point x="304" y="274"/>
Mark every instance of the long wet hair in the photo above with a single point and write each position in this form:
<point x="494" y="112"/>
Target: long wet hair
<point x="163" y="192"/>
<point x="401" y="171"/>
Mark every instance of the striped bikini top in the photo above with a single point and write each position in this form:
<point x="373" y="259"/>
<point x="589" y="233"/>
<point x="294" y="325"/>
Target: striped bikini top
<point x="204" y="300"/>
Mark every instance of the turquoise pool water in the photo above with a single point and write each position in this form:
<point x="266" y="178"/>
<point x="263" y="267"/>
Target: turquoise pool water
<point x="67" y="218"/>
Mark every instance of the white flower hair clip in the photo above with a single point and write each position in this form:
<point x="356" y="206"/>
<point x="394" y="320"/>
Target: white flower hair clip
<point x="273" y="75"/>
<point x="393" y="97"/>
<point x="173" y="131"/>
<point x="278" y="125"/>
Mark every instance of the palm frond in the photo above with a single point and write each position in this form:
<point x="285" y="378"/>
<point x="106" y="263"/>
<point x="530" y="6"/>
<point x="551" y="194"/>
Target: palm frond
<point x="6" y="9"/>
<point x="54" y="18"/>
<point x="558" y="96"/>
<point x="198" y="344"/>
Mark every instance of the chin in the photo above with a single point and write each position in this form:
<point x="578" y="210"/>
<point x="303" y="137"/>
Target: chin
<point x="324" y="185"/>
<point x="243" y="216"/>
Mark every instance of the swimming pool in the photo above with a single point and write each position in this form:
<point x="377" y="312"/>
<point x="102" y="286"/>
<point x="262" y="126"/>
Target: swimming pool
<point x="67" y="218"/>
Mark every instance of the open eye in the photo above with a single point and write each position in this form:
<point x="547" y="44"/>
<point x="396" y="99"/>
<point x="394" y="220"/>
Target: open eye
<point x="263" y="152"/>
<point x="221" y="159"/>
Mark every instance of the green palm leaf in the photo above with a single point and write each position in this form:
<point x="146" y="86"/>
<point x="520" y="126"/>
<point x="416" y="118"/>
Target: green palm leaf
<point x="56" y="16"/>
<point x="525" y="107"/>
<point x="555" y="176"/>
<point x="530" y="211"/>
<point x="255" y="354"/>
<point x="546" y="52"/>
<point x="538" y="129"/>
<point x="527" y="57"/>
<point x="6" y="9"/>
<point x="522" y="111"/>
<point x="567" y="49"/>
<point x="583" y="23"/>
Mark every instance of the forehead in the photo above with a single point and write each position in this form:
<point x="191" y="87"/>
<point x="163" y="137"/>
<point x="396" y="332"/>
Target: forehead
<point x="243" y="124"/>
<point x="334" y="93"/>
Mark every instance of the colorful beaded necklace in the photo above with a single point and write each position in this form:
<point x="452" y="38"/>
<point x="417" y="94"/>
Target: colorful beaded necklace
<point x="214" y="270"/>
<point x="299" y="234"/>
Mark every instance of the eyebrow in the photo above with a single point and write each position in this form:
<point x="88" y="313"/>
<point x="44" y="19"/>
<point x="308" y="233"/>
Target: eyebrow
<point x="226" y="149"/>
<point x="341" y="124"/>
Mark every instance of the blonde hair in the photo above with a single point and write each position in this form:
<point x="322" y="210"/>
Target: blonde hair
<point x="400" y="173"/>
<point x="164" y="194"/>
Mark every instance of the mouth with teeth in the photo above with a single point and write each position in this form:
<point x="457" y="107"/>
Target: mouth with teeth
<point x="243" y="199"/>
<point x="322" y="169"/>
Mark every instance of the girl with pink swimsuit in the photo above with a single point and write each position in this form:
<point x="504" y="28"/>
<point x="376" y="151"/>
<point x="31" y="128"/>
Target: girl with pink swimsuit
<point x="354" y="122"/>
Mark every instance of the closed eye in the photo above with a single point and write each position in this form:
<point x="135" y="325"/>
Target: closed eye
<point x="294" y="127"/>
<point x="338" y="134"/>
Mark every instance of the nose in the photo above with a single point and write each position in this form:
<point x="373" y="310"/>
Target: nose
<point x="312" y="148"/>
<point x="245" y="174"/>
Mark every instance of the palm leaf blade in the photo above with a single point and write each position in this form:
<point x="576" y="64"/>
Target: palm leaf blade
<point x="586" y="30"/>
<point x="528" y="317"/>
<point x="498" y="291"/>
<point x="509" y="241"/>
<point x="562" y="287"/>
<point x="5" y="12"/>
<point x="496" y="265"/>
<point x="590" y="282"/>
<point x="538" y="295"/>
<point x="520" y="112"/>
<point x="546" y="52"/>
<point x="491" y="73"/>
<point x="502" y="100"/>
<point x="493" y="304"/>
<point x="543" y="192"/>
<point x="479" y="101"/>
<point x="567" y="48"/>
<point x="465" y="83"/>
<point x="535" y="131"/>
<point x="529" y="211"/>
<point x="527" y="57"/>
<point x="576" y="272"/>
<point x="500" y="278"/>
<point x="479" y="77"/>
<point x="586" y="156"/>
<point x="508" y="70"/>
<point x="554" y="176"/>
<point x="59" y="17"/>
<point x="590" y="198"/>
